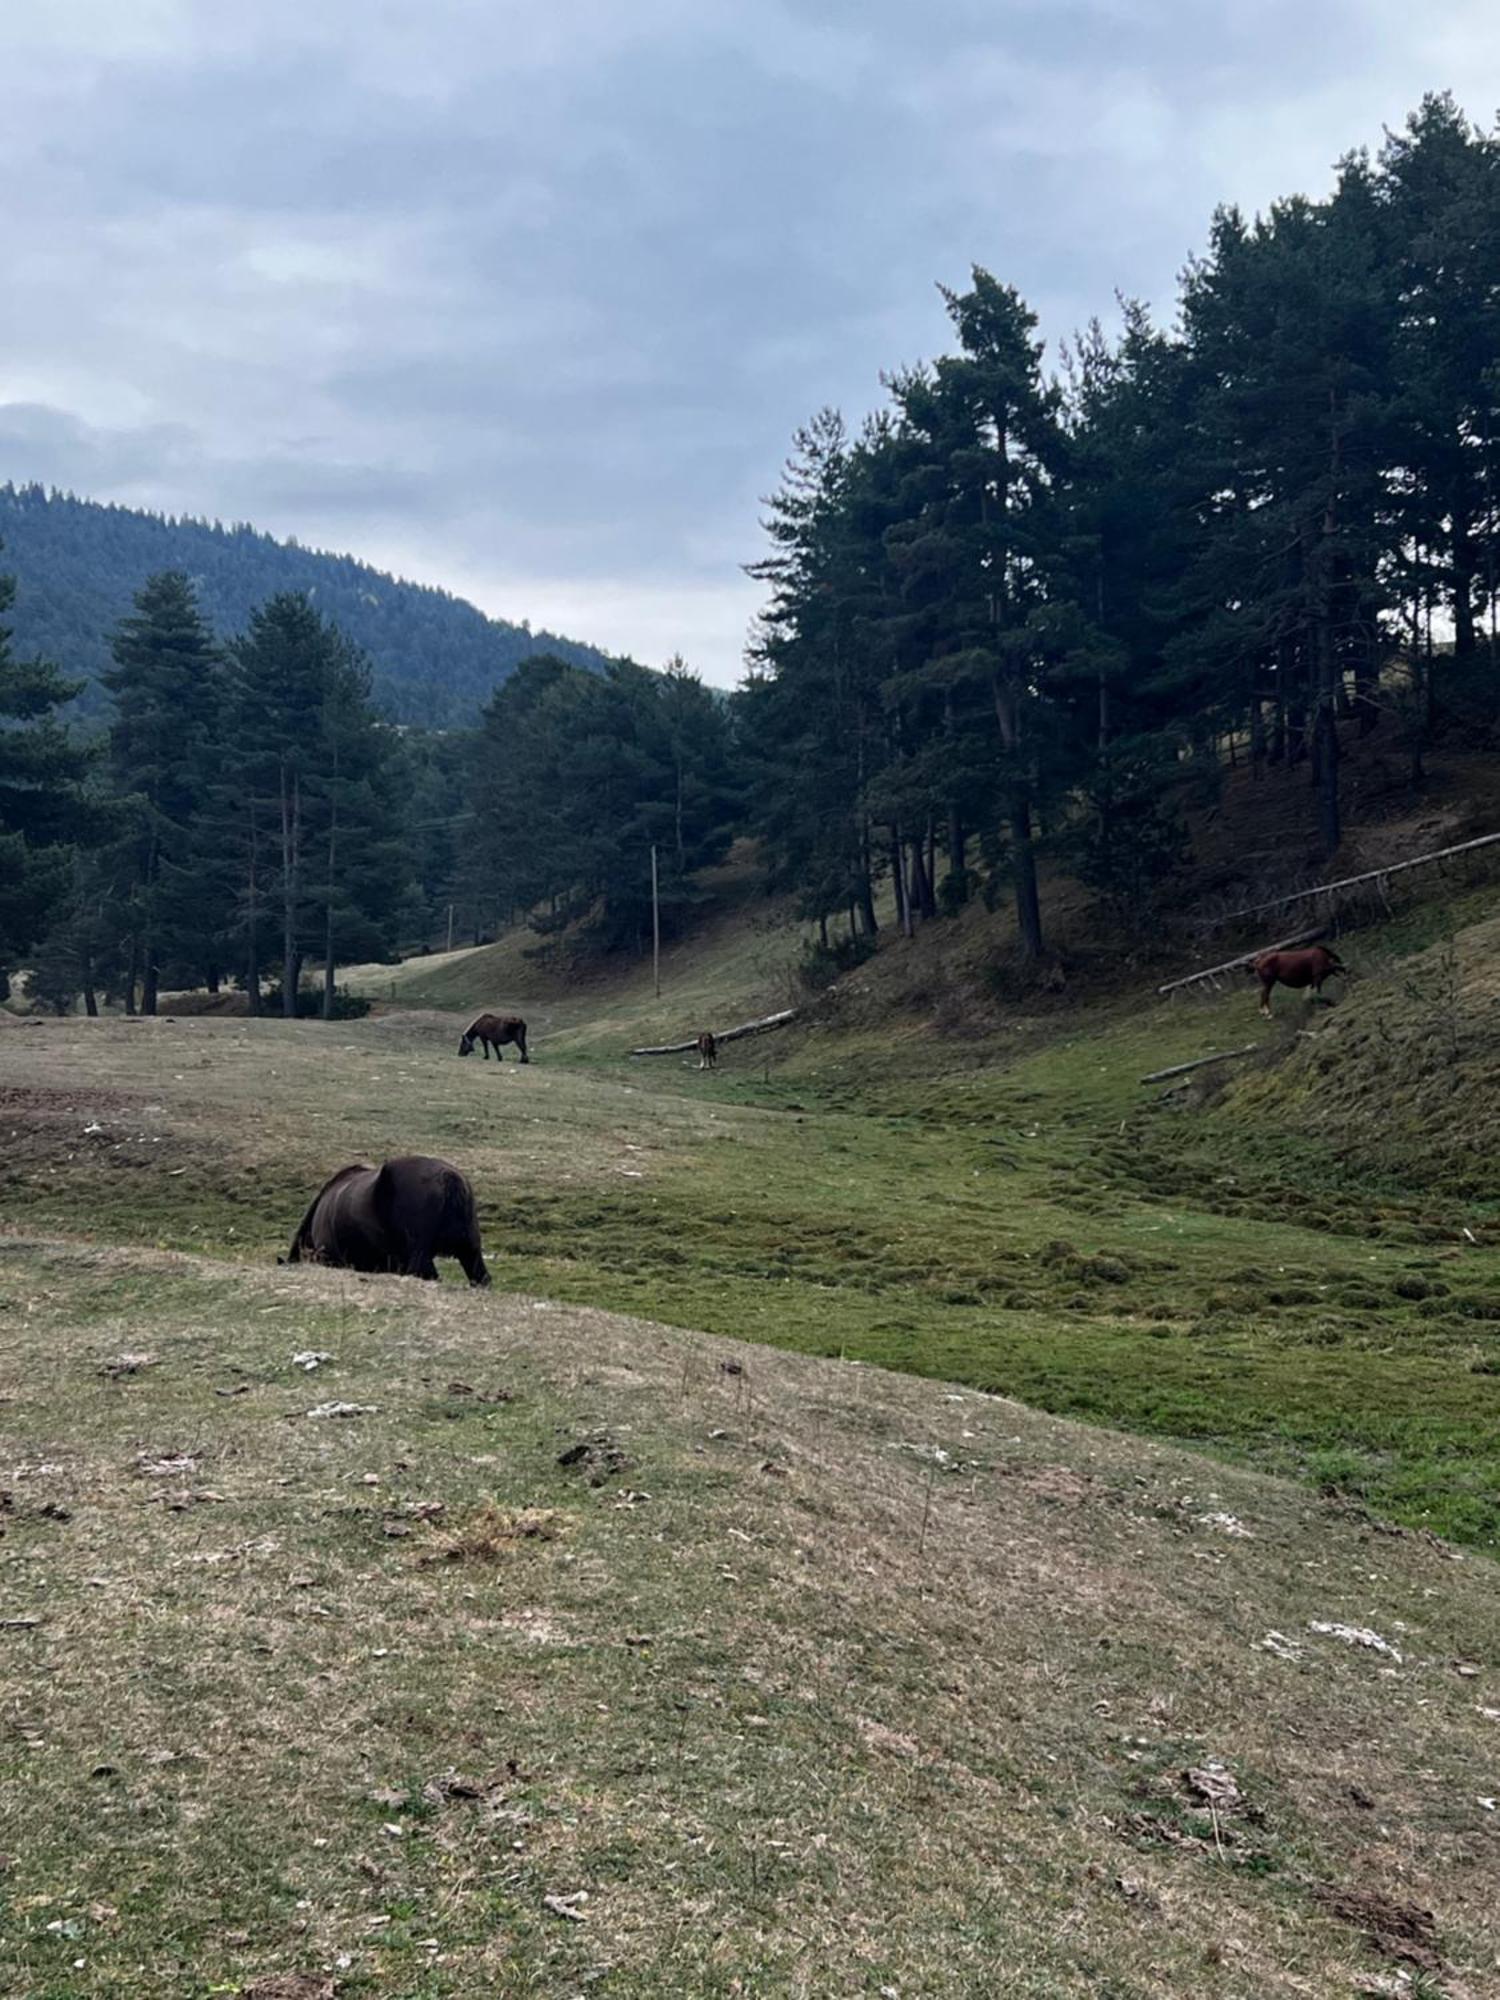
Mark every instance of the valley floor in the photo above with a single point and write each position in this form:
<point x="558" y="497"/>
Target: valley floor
<point x="798" y="1677"/>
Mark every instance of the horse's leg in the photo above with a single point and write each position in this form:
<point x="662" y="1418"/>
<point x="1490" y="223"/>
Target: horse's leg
<point x="1265" y="997"/>
<point x="419" y="1264"/>
<point x="521" y="1045"/>
<point x="472" y="1259"/>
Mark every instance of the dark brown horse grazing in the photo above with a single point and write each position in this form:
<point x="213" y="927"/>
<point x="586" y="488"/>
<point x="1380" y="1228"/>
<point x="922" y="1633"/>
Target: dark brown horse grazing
<point x="393" y="1218"/>
<point x="493" y="1031"/>
<point x="708" y="1051"/>
<point x="1308" y="967"/>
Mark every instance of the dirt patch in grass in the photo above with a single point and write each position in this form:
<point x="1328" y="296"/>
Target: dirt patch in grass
<point x="491" y="1533"/>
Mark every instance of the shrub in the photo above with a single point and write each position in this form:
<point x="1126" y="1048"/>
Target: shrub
<point x="821" y="964"/>
<point x="346" y="1006"/>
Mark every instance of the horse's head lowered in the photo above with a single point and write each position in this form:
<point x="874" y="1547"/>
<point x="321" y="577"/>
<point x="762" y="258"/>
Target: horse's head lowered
<point x="465" y="1044"/>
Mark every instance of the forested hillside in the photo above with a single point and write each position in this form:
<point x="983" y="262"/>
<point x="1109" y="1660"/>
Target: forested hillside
<point x="434" y="658"/>
<point x="1018" y="613"/>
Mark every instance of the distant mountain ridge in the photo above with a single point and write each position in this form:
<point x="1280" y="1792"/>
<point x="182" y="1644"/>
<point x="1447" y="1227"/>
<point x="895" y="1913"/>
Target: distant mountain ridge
<point x="435" y="658"/>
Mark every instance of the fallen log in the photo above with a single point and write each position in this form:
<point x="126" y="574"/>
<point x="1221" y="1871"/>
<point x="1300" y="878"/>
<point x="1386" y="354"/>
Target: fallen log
<point x="1181" y="1069"/>
<point x="761" y="1027"/>
<point x="1245" y="958"/>
<point x="1370" y="875"/>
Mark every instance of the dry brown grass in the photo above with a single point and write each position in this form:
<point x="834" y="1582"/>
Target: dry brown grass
<point x="860" y="1682"/>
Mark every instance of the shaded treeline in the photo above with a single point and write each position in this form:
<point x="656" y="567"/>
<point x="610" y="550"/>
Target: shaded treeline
<point x="246" y="815"/>
<point x="240" y="816"/>
<point x="1012" y="613"/>
<point x="576" y="777"/>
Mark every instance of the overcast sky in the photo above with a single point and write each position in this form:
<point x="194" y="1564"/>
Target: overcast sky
<point x="526" y="300"/>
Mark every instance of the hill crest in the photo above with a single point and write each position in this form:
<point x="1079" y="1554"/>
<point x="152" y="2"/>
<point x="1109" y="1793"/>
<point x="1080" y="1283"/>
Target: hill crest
<point x="435" y="657"/>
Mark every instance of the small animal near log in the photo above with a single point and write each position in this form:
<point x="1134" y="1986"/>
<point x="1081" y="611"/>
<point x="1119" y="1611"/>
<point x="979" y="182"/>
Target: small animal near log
<point x="1307" y="968"/>
<point x="493" y="1031"/>
<point x="708" y="1051"/>
<point x="397" y="1217"/>
<point x="760" y="1027"/>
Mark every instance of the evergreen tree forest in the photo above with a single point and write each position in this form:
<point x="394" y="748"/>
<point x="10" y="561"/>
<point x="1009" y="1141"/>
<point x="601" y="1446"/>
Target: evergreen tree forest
<point x="248" y="819"/>
<point x="1015" y="621"/>
<point x="1014" y="613"/>
<point x="241" y="819"/>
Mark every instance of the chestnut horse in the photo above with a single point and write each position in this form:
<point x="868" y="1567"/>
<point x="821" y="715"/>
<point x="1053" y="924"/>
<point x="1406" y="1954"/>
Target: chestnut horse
<point x="708" y="1051"/>
<point x="494" y="1031"/>
<point x="1308" y="967"/>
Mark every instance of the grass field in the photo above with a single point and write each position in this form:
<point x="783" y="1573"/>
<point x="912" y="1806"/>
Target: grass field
<point x="1032" y="1223"/>
<point x="837" y="1680"/>
<point x="805" y="1680"/>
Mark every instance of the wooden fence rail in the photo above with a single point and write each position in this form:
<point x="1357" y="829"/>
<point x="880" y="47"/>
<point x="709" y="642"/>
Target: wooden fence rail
<point x="1354" y="881"/>
<point x="1181" y="1069"/>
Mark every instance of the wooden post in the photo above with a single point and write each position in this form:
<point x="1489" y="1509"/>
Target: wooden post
<point x="655" y="924"/>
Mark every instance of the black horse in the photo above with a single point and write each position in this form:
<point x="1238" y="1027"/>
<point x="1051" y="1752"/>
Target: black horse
<point x="393" y="1218"/>
<point x="494" y="1031"/>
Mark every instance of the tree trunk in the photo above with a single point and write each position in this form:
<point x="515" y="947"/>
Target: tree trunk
<point x="866" y="882"/>
<point x="1327" y="678"/>
<point x="1023" y="861"/>
<point x="132" y="973"/>
<point x="923" y="901"/>
<point x="291" y="832"/>
<point x="151" y="980"/>
<point x="898" y="877"/>
<point x="1023" y="856"/>
<point x="958" y="842"/>
<point x="1465" y="640"/>
<point x="333" y="845"/>
<point x="1326" y="765"/>
<point x="252" y="918"/>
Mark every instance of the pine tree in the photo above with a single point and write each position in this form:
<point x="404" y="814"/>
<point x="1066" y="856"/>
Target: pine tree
<point x="168" y="694"/>
<point x="982" y="539"/>
<point x="42" y="805"/>
<point x="308" y="822"/>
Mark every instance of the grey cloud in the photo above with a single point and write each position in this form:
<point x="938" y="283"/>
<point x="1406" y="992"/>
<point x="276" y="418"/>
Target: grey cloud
<point x="528" y="301"/>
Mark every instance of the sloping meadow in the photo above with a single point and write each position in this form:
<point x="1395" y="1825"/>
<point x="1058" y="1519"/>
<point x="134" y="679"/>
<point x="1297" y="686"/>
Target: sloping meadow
<point x="362" y="1637"/>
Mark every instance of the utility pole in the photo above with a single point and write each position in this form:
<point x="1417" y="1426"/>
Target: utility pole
<point x="655" y="923"/>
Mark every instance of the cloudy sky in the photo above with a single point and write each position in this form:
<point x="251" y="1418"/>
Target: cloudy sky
<point x="526" y="300"/>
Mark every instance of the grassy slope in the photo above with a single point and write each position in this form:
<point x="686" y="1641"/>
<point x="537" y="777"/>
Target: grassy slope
<point x="1030" y="1221"/>
<point x="842" y="1684"/>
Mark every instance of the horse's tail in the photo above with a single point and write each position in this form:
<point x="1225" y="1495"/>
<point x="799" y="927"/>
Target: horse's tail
<point x="460" y="1216"/>
<point x="302" y="1239"/>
